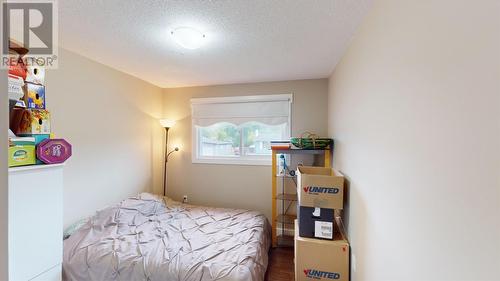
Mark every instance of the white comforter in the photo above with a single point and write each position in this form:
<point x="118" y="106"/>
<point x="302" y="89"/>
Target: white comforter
<point x="150" y="238"/>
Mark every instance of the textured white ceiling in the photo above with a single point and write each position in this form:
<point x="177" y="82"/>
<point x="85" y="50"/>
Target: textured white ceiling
<point x="248" y="40"/>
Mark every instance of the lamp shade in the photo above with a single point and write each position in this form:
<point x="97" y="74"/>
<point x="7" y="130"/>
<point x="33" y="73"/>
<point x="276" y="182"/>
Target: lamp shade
<point x="167" y="123"/>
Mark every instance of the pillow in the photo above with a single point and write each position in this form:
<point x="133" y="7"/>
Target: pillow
<point x="74" y="227"/>
<point x="167" y="200"/>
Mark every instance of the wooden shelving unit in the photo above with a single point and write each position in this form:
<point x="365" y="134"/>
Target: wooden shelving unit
<point x="286" y="219"/>
<point x="286" y="197"/>
<point x="282" y="224"/>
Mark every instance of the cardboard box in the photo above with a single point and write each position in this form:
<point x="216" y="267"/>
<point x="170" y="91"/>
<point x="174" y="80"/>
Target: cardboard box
<point x="317" y="259"/>
<point x="38" y="140"/>
<point x="21" y="152"/>
<point x="34" y="96"/>
<point x="316" y="222"/>
<point x="320" y="187"/>
<point x="17" y="114"/>
<point x="34" y="122"/>
<point x="15" y="89"/>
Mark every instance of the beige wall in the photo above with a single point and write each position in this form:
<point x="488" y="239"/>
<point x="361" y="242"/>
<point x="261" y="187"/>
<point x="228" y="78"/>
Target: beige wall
<point x="111" y="119"/>
<point x="234" y="185"/>
<point x="414" y="106"/>
<point x="3" y="177"/>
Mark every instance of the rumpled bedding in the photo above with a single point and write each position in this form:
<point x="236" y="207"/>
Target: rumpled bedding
<point x="152" y="238"/>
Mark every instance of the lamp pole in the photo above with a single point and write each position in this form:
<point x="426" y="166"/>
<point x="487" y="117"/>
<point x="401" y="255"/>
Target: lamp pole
<point x="166" y="160"/>
<point x="167" y="124"/>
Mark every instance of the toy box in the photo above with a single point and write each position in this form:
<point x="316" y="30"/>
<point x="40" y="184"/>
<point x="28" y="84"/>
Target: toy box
<point x="35" y="75"/>
<point x="21" y="151"/>
<point x="53" y="151"/>
<point x="34" y="96"/>
<point x="15" y="90"/>
<point x="17" y="68"/>
<point x="320" y="187"/>
<point x="34" y="122"/>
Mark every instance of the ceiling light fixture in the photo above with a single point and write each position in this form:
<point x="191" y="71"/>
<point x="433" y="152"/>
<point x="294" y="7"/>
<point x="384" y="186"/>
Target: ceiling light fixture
<point x="188" y="37"/>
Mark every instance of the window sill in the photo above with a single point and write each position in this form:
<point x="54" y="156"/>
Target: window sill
<point x="245" y="162"/>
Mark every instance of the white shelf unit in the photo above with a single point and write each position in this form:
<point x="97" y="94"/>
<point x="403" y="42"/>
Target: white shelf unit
<point x="36" y="223"/>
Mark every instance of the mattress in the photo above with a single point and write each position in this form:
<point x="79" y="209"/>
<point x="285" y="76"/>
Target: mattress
<point x="152" y="238"/>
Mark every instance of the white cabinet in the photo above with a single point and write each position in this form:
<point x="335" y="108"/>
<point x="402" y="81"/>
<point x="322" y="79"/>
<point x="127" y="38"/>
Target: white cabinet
<point x="35" y="223"/>
<point x="53" y="274"/>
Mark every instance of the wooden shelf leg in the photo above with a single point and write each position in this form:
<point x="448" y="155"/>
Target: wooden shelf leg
<point x="274" y="186"/>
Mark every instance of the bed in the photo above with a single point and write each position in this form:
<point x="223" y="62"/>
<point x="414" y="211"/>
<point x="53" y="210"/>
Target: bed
<point x="153" y="238"/>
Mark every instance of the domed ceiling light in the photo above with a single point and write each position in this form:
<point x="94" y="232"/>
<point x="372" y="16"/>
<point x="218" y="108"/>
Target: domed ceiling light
<point x="188" y="37"/>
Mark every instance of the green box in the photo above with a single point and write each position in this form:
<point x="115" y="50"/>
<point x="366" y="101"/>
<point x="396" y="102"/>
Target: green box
<point x="22" y="152"/>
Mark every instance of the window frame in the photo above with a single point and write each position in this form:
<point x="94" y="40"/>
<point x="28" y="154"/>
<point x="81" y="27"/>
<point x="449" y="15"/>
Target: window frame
<point x="259" y="160"/>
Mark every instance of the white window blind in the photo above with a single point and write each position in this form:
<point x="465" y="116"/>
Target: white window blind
<point x="238" y="130"/>
<point x="266" y="109"/>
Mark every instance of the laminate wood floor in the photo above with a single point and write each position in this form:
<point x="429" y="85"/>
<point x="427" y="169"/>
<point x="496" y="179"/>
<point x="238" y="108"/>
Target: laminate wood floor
<point x="280" y="266"/>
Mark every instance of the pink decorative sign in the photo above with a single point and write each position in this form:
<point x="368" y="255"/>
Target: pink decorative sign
<point x="53" y="151"/>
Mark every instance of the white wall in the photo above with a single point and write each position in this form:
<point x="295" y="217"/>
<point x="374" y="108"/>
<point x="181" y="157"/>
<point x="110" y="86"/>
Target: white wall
<point x="111" y="119"/>
<point x="235" y="186"/>
<point x="3" y="177"/>
<point x="414" y="106"/>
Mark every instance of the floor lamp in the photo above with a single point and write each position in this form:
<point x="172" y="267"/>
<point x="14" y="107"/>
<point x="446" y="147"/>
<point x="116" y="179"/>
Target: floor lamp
<point x="167" y="124"/>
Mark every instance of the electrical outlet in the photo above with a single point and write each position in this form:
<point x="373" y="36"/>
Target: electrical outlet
<point x="185" y="199"/>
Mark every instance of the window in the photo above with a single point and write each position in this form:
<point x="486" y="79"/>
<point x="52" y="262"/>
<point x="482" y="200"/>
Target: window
<point x="238" y="130"/>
